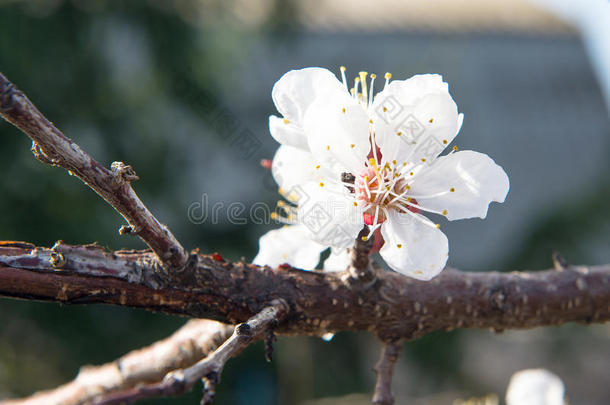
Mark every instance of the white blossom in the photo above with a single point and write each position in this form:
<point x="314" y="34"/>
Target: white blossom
<point x="535" y="387"/>
<point x="349" y="158"/>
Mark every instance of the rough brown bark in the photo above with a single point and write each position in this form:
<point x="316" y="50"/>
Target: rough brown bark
<point x="190" y="343"/>
<point x="385" y="370"/>
<point x="289" y="300"/>
<point x="208" y="369"/>
<point x="394" y="307"/>
<point x="53" y="147"/>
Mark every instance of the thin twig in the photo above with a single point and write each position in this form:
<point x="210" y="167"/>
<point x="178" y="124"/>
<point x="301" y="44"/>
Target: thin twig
<point x="210" y="368"/>
<point x="189" y="344"/>
<point x="360" y="271"/>
<point x="385" y="370"/>
<point x="52" y="147"/>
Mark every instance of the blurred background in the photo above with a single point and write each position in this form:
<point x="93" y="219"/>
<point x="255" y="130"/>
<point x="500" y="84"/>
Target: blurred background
<point x="181" y="90"/>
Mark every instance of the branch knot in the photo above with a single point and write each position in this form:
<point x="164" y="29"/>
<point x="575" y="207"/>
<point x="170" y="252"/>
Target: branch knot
<point x="123" y="173"/>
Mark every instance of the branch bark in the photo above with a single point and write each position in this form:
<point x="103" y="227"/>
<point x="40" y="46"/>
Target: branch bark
<point x="210" y="368"/>
<point x="389" y="305"/>
<point x="52" y="147"/>
<point x="192" y="342"/>
<point x="385" y="370"/>
<point x="394" y="307"/>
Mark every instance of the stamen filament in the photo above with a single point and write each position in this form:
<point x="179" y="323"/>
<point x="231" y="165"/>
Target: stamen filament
<point x="343" y="78"/>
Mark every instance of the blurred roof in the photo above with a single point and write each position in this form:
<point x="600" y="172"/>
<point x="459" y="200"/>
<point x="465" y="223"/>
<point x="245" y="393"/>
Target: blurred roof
<point x="430" y="15"/>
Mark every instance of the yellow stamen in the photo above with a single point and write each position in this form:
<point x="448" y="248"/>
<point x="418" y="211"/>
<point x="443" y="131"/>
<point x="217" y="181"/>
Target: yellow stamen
<point x="365" y="94"/>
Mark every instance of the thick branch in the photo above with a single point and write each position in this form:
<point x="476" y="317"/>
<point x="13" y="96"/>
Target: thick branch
<point x="210" y="368"/>
<point x="52" y="147"/>
<point x="385" y="370"/>
<point x="192" y="342"/>
<point x="395" y="307"/>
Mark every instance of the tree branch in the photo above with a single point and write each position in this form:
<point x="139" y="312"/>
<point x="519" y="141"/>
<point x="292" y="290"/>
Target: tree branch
<point x="210" y="368"/>
<point x="385" y="370"/>
<point x="189" y="344"/>
<point x="387" y="304"/>
<point x="395" y="307"/>
<point x="52" y="147"/>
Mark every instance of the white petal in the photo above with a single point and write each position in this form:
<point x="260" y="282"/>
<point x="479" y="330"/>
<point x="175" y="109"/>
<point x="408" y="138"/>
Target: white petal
<point x="330" y="215"/>
<point x="337" y="127"/>
<point x="291" y="245"/>
<point x="339" y="260"/>
<point x="287" y="133"/>
<point x="535" y="387"/>
<point x="412" y="247"/>
<point x="292" y="167"/>
<point x="297" y="89"/>
<point x="415" y="118"/>
<point x="475" y="177"/>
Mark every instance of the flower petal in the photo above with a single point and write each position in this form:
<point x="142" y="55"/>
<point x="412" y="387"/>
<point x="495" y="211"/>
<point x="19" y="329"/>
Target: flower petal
<point x="287" y="133"/>
<point x="297" y="89"/>
<point x="337" y="128"/>
<point x="291" y="245"/>
<point x="535" y="387"/>
<point x="475" y="178"/>
<point x="413" y="247"/>
<point x="339" y="260"/>
<point x="292" y="167"/>
<point x="415" y="118"/>
<point x="329" y="214"/>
